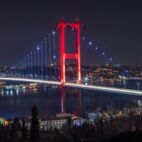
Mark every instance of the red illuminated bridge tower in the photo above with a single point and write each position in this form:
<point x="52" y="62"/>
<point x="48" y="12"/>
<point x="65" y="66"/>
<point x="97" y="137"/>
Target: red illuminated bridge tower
<point x="63" y="56"/>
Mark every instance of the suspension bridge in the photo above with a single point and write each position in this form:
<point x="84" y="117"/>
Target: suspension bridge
<point x="46" y="63"/>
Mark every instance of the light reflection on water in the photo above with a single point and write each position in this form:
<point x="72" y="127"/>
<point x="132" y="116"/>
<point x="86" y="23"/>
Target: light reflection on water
<point x="50" y="101"/>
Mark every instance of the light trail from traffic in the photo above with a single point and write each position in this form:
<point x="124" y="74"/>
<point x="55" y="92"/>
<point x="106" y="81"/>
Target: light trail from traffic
<point x="82" y="86"/>
<point x="106" y="89"/>
<point x="30" y="80"/>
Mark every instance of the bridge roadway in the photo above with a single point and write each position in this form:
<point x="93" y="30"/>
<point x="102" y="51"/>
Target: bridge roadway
<point x="82" y="86"/>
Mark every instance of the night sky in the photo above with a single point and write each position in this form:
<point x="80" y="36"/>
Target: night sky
<point x="117" y="24"/>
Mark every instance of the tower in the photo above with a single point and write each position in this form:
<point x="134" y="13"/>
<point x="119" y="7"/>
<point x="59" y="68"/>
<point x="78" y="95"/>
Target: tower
<point x="62" y="25"/>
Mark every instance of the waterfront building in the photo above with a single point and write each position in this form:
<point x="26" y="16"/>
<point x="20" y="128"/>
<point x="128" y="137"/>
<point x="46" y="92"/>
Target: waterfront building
<point x="4" y="121"/>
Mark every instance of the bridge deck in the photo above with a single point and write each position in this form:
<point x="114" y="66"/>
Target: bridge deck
<point x="90" y="87"/>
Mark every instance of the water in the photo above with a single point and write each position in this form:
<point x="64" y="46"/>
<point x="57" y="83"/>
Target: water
<point x="50" y="101"/>
<point x="129" y="84"/>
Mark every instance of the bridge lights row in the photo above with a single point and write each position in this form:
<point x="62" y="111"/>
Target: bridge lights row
<point x="100" y="51"/>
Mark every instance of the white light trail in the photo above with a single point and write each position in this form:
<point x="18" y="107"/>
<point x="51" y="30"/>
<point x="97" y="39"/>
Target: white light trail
<point x="30" y="80"/>
<point x="106" y="89"/>
<point x="90" y="87"/>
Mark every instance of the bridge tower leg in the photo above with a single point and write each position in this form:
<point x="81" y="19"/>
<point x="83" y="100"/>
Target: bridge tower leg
<point x="63" y="56"/>
<point x="78" y="52"/>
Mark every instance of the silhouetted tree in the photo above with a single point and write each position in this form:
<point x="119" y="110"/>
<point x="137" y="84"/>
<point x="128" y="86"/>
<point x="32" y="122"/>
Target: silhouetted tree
<point x="34" y="131"/>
